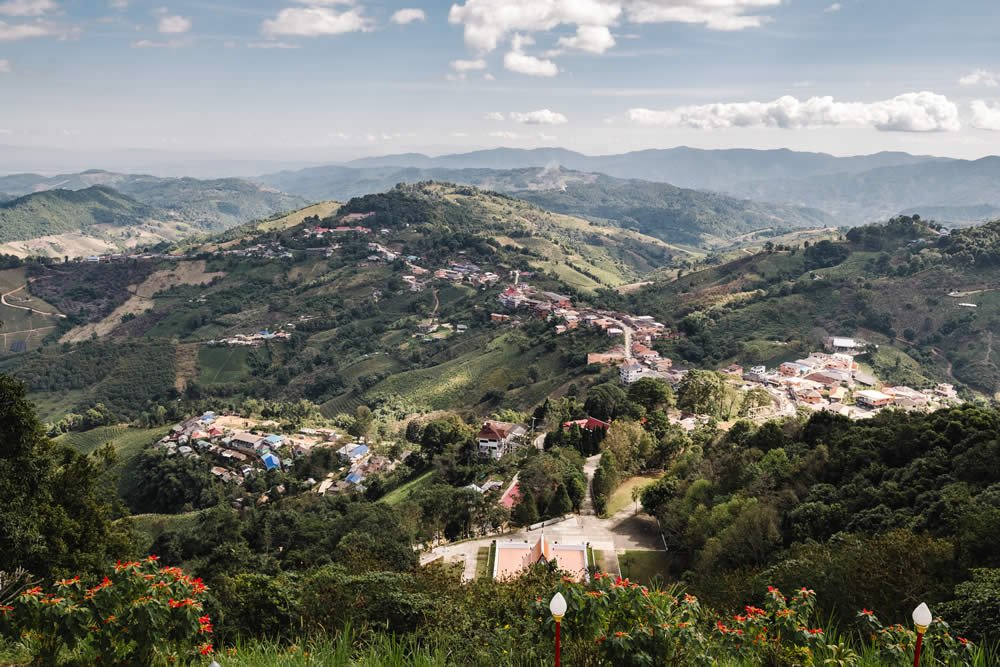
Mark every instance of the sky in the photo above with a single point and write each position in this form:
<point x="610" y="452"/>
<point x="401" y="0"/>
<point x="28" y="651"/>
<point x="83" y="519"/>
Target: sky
<point x="328" y="80"/>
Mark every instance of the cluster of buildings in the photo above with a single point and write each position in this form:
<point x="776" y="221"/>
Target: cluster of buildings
<point x="833" y="381"/>
<point x="360" y="464"/>
<point x="237" y="448"/>
<point x="268" y="250"/>
<point x="251" y="340"/>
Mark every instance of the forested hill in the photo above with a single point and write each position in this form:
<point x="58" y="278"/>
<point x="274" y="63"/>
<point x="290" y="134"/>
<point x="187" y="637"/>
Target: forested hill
<point x="673" y="214"/>
<point x="211" y="204"/>
<point x="60" y="211"/>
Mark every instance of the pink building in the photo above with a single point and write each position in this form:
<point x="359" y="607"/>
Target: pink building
<point x="514" y="557"/>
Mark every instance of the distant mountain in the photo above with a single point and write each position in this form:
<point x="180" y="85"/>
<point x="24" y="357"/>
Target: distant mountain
<point x="676" y="215"/>
<point x="210" y="204"/>
<point x="60" y="211"/>
<point x="681" y="166"/>
<point x="957" y="216"/>
<point x="879" y="193"/>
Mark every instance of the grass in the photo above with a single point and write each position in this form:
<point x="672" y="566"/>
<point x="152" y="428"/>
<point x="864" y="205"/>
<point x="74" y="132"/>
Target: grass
<point x="603" y="561"/>
<point x="622" y="497"/>
<point x="401" y="493"/>
<point x="483" y="558"/>
<point x="151" y="526"/>
<point x="223" y="364"/>
<point x="22" y="326"/>
<point x="643" y="566"/>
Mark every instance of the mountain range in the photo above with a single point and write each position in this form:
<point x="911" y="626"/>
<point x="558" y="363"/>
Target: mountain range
<point x="853" y="190"/>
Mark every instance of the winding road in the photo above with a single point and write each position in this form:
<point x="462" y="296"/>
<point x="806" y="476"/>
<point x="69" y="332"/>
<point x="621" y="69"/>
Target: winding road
<point x="3" y="300"/>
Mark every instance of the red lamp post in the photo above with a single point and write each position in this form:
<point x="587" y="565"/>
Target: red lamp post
<point x="558" y="608"/>
<point x="921" y="620"/>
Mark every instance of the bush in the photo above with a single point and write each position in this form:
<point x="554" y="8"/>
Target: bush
<point x="140" y="614"/>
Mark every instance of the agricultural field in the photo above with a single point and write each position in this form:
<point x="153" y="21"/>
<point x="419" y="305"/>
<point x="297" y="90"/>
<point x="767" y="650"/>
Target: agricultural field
<point x="401" y="493"/>
<point x="224" y="364"/>
<point x="25" y="320"/>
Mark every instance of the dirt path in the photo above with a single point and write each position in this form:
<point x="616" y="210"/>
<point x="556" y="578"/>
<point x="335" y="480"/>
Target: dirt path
<point x="437" y="304"/>
<point x="185" y="365"/>
<point x="3" y="300"/>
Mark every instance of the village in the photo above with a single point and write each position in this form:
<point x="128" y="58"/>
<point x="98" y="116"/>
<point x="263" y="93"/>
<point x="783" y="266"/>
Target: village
<point x="238" y="448"/>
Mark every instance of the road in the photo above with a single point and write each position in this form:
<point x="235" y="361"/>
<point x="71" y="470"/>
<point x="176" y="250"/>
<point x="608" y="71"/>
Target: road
<point x="3" y="300"/>
<point x="627" y="331"/>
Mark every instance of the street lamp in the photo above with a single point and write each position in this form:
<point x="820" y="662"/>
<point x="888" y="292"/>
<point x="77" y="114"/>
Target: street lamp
<point x="921" y="619"/>
<point x="558" y="608"/>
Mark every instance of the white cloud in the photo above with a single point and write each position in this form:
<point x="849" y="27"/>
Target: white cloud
<point x="467" y="65"/>
<point x="589" y="38"/>
<point x="540" y="117"/>
<point x="316" y="21"/>
<point x="27" y="7"/>
<point x="160" y="44"/>
<point x="517" y="61"/>
<point x="455" y="76"/>
<point x="530" y="65"/>
<point x="494" y="115"/>
<point x="173" y="25"/>
<point x="10" y="32"/>
<point x="408" y="15"/>
<point x="489" y="77"/>
<point x="985" y="116"/>
<point x="4" y="66"/>
<point x="910" y="112"/>
<point x="486" y="23"/>
<point x="118" y="4"/>
<point x="504" y="135"/>
<point x="271" y="45"/>
<point x="980" y="77"/>
<point x="547" y="137"/>
<point x="835" y="7"/>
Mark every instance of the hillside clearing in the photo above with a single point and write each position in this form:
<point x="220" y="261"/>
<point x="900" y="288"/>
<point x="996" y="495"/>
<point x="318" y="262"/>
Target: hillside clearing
<point x="183" y="273"/>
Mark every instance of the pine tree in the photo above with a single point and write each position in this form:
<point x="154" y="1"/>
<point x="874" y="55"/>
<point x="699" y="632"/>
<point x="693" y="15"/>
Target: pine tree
<point x="526" y="510"/>
<point x="560" y="503"/>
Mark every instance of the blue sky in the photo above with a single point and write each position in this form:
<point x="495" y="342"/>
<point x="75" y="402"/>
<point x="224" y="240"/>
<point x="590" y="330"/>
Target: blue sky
<point x="332" y="79"/>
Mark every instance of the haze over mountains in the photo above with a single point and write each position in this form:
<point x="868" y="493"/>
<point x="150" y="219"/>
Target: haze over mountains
<point x="852" y="189"/>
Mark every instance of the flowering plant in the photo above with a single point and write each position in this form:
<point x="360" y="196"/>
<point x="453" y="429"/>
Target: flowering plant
<point x="140" y="613"/>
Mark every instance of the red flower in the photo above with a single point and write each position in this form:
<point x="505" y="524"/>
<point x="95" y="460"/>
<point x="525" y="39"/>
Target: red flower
<point x="595" y="594"/>
<point x="68" y="582"/>
<point x="867" y="612"/>
<point x="963" y="641"/>
<point x="816" y="631"/>
<point x="33" y="592"/>
<point x="4" y="608"/>
<point x="620" y="634"/>
<point x="600" y="640"/>
<point x="152" y="558"/>
<point x="206" y="649"/>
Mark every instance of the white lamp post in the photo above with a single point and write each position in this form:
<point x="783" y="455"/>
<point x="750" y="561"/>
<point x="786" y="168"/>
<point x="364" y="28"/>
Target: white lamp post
<point x="558" y="608"/>
<point x="922" y="619"/>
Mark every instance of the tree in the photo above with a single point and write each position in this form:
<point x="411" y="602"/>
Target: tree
<point x="651" y="393"/>
<point x="560" y="503"/>
<point x="444" y="431"/>
<point x="707" y="393"/>
<point x="606" y="402"/>
<point x="52" y="518"/>
<point x="525" y="511"/>
<point x="363" y="421"/>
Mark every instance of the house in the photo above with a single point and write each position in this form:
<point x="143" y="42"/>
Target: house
<point x="791" y="369"/>
<point x="588" y="424"/>
<point x="871" y="399"/>
<point x="246" y="440"/>
<point x="844" y="345"/>
<point x="733" y="369"/>
<point x="615" y="331"/>
<point x="356" y="477"/>
<point x="271" y="462"/>
<point x="865" y="379"/>
<point x="946" y="391"/>
<point x="497" y="439"/>
<point x="274" y="441"/>
<point x="630" y="372"/>
<point x="756" y="374"/>
<point x="512" y="558"/>
<point x="499" y="317"/>
<point x="353" y="451"/>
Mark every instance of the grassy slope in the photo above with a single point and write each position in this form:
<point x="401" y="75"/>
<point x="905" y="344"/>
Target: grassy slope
<point x="16" y="324"/>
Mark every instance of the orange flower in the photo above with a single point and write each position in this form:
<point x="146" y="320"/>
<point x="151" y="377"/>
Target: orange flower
<point x="5" y="608"/>
<point x="595" y="594"/>
<point x="152" y="558"/>
<point x="68" y="582"/>
<point x="33" y="592"/>
<point x="620" y="634"/>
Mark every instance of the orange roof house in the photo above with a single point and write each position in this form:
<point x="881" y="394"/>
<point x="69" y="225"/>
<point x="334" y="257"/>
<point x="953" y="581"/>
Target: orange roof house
<point x="512" y="558"/>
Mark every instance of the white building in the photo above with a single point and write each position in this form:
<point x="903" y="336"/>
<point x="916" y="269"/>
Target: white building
<point x="630" y="372"/>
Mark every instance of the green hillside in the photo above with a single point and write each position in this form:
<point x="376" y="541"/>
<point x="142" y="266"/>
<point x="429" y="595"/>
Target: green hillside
<point x="211" y="204"/>
<point x="933" y="301"/>
<point x="357" y="330"/>
<point x="60" y="211"/>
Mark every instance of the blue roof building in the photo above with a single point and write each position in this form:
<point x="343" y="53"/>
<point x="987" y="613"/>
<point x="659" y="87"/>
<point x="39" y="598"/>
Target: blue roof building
<point x="271" y="462"/>
<point x="274" y="440"/>
<point x="355" y="477"/>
